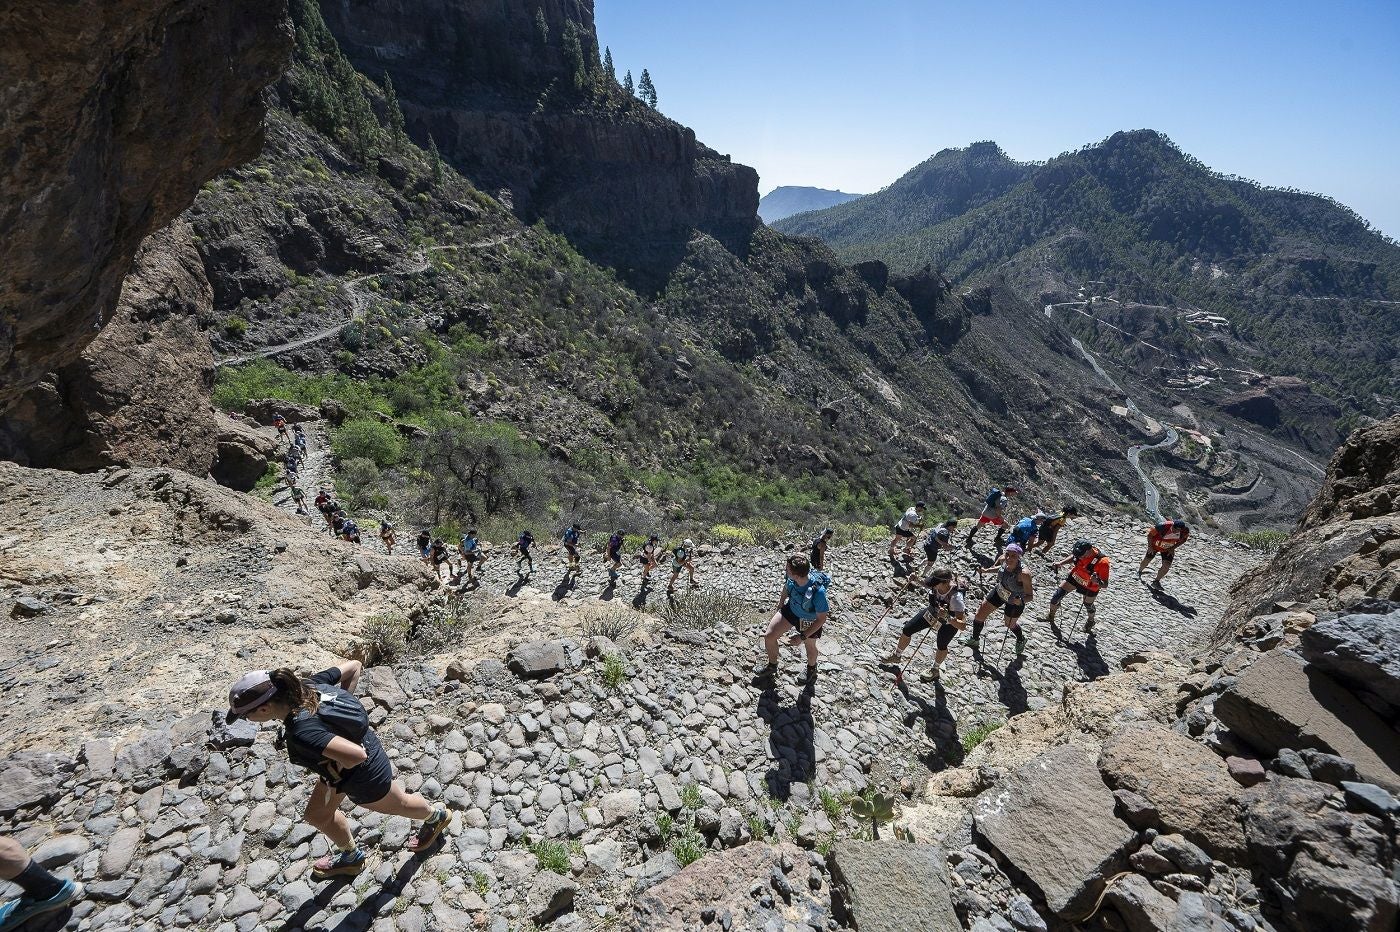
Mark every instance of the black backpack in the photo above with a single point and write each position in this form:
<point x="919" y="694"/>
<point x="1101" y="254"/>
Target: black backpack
<point x="339" y="711"/>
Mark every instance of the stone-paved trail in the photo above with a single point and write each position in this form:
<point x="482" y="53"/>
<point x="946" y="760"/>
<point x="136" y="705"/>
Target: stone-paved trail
<point x="673" y="753"/>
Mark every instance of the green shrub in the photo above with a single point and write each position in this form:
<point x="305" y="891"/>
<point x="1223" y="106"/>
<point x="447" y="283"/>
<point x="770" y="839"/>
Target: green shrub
<point x="978" y="734"/>
<point x="385" y="638"/>
<point x="689" y="847"/>
<point x="551" y="856"/>
<point x="1267" y="541"/>
<point x="369" y="439"/>
<point x="235" y="327"/>
<point x="690" y="796"/>
<point x="734" y="535"/>
<point x="707" y="608"/>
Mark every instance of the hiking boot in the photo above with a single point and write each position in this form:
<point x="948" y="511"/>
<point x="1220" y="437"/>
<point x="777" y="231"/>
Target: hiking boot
<point x="18" y="912"/>
<point x="892" y="658"/>
<point x="1020" y="641"/>
<point x="1089" y="621"/>
<point x="339" y="864"/>
<point x="808" y="677"/>
<point x="764" y="673"/>
<point x="932" y="675"/>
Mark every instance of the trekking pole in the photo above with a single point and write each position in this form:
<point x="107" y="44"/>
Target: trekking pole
<point x="881" y="620"/>
<point x="1077" y="612"/>
<point x="899" y="674"/>
<point x="1001" y="651"/>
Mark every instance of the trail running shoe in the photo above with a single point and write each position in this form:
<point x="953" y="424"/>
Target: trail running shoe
<point x="931" y="675"/>
<point x="892" y="658"/>
<point x="429" y="831"/>
<point x="339" y="864"/>
<point x="1020" y="642"/>
<point x="17" y="912"/>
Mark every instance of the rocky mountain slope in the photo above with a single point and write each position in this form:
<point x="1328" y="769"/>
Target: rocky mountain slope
<point x="115" y="114"/>
<point x="787" y="200"/>
<point x="1215" y="283"/>
<point x="644" y="782"/>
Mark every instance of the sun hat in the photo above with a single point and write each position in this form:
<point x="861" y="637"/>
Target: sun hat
<point x="251" y="691"/>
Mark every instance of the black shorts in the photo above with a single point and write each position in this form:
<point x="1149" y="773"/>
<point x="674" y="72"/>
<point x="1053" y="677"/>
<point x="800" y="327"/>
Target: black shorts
<point x="471" y="556"/>
<point x="931" y="551"/>
<point x="791" y="618"/>
<point x="1012" y="609"/>
<point x="614" y="556"/>
<point x="919" y="622"/>
<point x="901" y="532"/>
<point x="1082" y="589"/>
<point x="816" y="559"/>
<point x="1166" y="555"/>
<point x="572" y="548"/>
<point x="370" y="781"/>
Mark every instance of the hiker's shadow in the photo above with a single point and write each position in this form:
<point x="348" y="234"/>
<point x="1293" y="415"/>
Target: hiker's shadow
<point x="1171" y="602"/>
<point x="791" y="740"/>
<point x="901" y="568"/>
<point x="520" y="581"/>
<point x="362" y="917"/>
<point x="639" y="601"/>
<point x="1086" y="652"/>
<point x="939" y="724"/>
<point x="609" y="591"/>
<point x="1011" y="692"/>
<point x="980" y="558"/>
<point x="49" y="922"/>
<point x="566" y="585"/>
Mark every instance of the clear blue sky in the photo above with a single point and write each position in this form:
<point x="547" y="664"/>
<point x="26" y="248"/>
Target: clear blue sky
<point x="851" y="95"/>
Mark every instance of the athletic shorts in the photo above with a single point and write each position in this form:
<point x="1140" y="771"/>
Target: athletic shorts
<point x="986" y="518"/>
<point x="816" y="559"/>
<point x="572" y="549"/>
<point x="931" y="551"/>
<point x="370" y="781"/>
<point x="901" y="532"/>
<point x="425" y="551"/>
<point x="788" y="618"/>
<point x="471" y="556"/>
<point x="615" y="556"/>
<point x="1166" y="555"/>
<point x="1082" y="589"/>
<point x="1012" y="609"/>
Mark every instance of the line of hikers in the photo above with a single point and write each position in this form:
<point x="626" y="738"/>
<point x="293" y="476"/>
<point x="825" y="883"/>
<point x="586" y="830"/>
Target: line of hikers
<point x="803" y="605"/>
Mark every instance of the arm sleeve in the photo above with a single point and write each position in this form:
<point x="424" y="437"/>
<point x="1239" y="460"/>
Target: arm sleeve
<point x="327" y="677"/>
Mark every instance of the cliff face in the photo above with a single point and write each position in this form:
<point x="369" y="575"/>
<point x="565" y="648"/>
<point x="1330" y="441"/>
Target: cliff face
<point x="1347" y="546"/>
<point x="494" y="90"/>
<point x="114" y="113"/>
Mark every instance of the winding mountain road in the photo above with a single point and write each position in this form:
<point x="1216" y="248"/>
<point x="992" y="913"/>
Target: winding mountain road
<point x="359" y="302"/>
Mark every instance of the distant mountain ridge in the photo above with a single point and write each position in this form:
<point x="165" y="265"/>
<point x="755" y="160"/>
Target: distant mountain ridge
<point x="1306" y="286"/>
<point x="785" y="201"/>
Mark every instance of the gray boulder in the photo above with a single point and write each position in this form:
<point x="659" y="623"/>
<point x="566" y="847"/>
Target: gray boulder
<point x="1325" y="868"/>
<point x="31" y="779"/>
<point x="894" y="886"/>
<point x="1068" y="866"/>
<point x="536" y="660"/>
<point x="1277" y="703"/>
<point x="550" y="896"/>
<point x="1361" y="650"/>
<point x="141" y="761"/>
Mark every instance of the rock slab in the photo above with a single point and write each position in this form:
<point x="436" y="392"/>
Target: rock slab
<point x="894" y="886"/>
<point x="1361" y="649"/>
<point x="1061" y="788"/>
<point x="1278" y="703"/>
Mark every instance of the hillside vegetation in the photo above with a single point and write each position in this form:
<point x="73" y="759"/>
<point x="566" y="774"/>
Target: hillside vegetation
<point x="1306" y="285"/>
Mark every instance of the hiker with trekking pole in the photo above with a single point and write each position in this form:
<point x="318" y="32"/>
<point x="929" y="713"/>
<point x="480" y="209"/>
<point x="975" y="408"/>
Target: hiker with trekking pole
<point x="905" y="530"/>
<point x="326" y="730"/>
<point x="1011" y="593"/>
<point x="1088" y="577"/>
<point x="1050" y="529"/>
<point x="938" y="539"/>
<point x="948" y="608"/>
<point x="1162" y="541"/>
<point x="993" y="507"/>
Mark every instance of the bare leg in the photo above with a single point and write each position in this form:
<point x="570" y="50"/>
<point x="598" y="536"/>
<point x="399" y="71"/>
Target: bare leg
<point x="400" y="802"/>
<point x="323" y="814"/>
<point x="13" y="858"/>
<point x="777" y="627"/>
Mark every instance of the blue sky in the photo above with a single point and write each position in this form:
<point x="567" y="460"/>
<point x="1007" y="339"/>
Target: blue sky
<point x="852" y="95"/>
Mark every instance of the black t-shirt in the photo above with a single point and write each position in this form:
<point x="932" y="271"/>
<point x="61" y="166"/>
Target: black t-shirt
<point x="305" y="731"/>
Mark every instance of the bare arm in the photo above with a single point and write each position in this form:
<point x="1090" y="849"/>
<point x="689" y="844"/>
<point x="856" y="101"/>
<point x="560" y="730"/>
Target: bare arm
<point x="350" y="671"/>
<point x="344" y="752"/>
<point x="1026" y="585"/>
<point x="816" y="625"/>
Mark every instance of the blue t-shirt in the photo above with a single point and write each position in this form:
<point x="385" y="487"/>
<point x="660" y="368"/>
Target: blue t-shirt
<point x="468" y="544"/>
<point x="807" y="602"/>
<point x="570" y="536"/>
<point x="1023" y="531"/>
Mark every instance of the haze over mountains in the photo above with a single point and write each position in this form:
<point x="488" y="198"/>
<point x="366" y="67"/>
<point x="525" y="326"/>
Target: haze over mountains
<point x="1302" y="286"/>
<point x="795" y="199"/>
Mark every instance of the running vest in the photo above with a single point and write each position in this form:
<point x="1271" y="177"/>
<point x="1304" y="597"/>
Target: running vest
<point x="1009" y="584"/>
<point x="1087" y="566"/>
<point x="1166" y="536"/>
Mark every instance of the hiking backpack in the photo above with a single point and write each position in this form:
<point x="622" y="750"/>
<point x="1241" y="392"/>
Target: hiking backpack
<point x="340" y="712"/>
<point x="816" y="580"/>
<point x="993" y="497"/>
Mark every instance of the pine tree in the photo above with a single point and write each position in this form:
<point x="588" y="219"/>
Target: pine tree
<point x="646" y="89"/>
<point x="541" y="26"/>
<point x="608" y="65"/>
<point x="627" y="83"/>
<point x="394" y="112"/>
<point x="435" y="157"/>
<point x="573" y="56"/>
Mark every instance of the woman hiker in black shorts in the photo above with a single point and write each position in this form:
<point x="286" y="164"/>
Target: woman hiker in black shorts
<point x="312" y="713"/>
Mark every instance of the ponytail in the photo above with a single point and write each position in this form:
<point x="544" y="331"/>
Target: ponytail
<point x="293" y="692"/>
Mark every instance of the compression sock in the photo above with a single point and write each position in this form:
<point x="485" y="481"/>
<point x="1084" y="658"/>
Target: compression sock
<point x="37" y="883"/>
<point x="1055" y="599"/>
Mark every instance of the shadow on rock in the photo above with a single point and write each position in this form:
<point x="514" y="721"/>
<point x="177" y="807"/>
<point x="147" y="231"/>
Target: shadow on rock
<point x="1171" y="602"/>
<point x="939" y="724"/>
<point x="1086" y="652"/>
<point x="791" y="738"/>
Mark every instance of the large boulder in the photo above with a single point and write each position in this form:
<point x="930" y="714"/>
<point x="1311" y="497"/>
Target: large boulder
<point x="1323" y="867"/>
<point x="1188" y="786"/>
<point x="1144" y="909"/>
<point x="116" y="111"/>
<point x="1069" y="865"/>
<point x="1278" y="703"/>
<point x="29" y="780"/>
<point x="535" y="660"/>
<point x="894" y="886"/>
<point x="715" y="892"/>
<point x="241" y="454"/>
<point x="1360" y="649"/>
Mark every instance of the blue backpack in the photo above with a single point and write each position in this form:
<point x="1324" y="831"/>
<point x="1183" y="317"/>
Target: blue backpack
<point x="806" y="596"/>
<point x="993" y="497"/>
